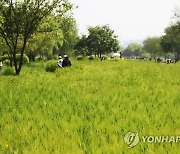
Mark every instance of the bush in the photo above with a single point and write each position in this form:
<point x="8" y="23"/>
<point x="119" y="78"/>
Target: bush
<point x="80" y="58"/>
<point x="51" y="66"/>
<point x="105" y="57"/>
<point x="91" y="58"/>
<point x="115" y="59"/>
<point x="25" y="58"/>
<point x="55" y="56"/>
<point x="3" y="58"/>
<point x="6" y="62"/>
<point x="8" y="71"/>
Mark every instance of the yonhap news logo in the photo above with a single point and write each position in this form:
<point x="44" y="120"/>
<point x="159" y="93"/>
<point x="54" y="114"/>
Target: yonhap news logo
<point x="133" y="138"/>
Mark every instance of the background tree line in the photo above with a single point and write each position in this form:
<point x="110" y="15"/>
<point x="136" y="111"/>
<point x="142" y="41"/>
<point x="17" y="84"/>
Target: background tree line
<point x="165" y="46"/>
<point x="46" y="29"/>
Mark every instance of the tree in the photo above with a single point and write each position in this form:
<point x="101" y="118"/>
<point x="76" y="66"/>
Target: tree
<point x="81" y="46"/>
<point x="177" y="14"/>
<point x="3" y="47"/>
<point x="133" y="49"/>
<point x="152" y="46"/>
<point x="19" y="20"/>
<point x="101" y="40"/>
<point x="48" y="37"/>
<point x="57" y="35"/>
<point x="70" y="34"/>
<point x="171" y="40"/>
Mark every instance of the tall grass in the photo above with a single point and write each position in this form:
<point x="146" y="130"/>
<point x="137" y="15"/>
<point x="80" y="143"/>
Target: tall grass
<point x="89" y="108"/>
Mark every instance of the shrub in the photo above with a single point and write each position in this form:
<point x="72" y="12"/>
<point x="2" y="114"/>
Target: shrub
<point x="6" y="62"/>
<point x="91" y="58"/>
<point x="105" y="57"/>
<point x="115" y="59"/>
<point x="8" y="71"/>
<point x="51" y="66"/>
<point x="55" y="56"/>
<point x="5" y="57"/>
<point x="80" y="58"/>
<point x="25" y="58"/>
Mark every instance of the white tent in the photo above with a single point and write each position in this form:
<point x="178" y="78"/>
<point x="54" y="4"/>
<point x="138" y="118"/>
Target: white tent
<point x="116" y="55"/>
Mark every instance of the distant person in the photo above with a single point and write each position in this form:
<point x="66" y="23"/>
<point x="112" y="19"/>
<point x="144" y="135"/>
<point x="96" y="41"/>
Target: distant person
<point x="1" y="66"/>
<point x="102" y="58"/>
<point x="158" y="60"/>
<point x="91" y="58"/>
<point x="120" y="53"/>
<point x="168" y="61"/>
<point x="60" y="61"/>
<point x="176" y="60"/>
<point x="66" y="62"/>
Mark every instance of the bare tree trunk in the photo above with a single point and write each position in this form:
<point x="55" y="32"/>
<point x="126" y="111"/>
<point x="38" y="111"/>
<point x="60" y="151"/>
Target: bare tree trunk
<point x="15" y="63"/>
<point x="11" y="62"/>
<point x="10" y="59"/>
<point x="155" y="57"/>
<point x="21" y="57"/>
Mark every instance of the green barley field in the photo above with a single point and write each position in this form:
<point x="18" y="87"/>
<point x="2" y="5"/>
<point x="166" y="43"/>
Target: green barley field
<point x="89" y="108"/>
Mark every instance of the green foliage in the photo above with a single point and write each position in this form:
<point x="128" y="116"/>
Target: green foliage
<point x="8" y="71"/>
<point x="81" y="47"/>
<point x="70" y="34"/>
<point x="152" y="46"/>
<point x="91" y="57"/>
<point x="22" y="20"/>
<point x="51" y="66"/>
<point x="115" y="59"/>
<point x="80" y="58"/>
<point x="171" y="40"/>
<point x="25" y="58"/>
<point x="3" y="46"/>
<point x="105" y="57"/>
<point x="133" y="49"/>
<point x="4" y="57"/>
<point x="57" y="34"/>
<point x="55" y="57"/>
<point x="45" y="42"/>
<point x="101" y="40"/>
<point x="6" y="62"/>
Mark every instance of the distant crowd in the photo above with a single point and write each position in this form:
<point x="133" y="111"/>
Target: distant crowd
<point x="158" y="60"/>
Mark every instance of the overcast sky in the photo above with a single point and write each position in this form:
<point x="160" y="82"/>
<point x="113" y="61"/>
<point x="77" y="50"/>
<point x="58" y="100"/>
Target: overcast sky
<point x="131" y="19"/>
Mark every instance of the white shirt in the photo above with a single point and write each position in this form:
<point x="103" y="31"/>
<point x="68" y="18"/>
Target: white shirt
<point x="60" y="63"/>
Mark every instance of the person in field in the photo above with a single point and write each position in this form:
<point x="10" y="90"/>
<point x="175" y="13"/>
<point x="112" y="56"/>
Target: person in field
<point x="66" y="62"/>
<point x="1" y="66"/>
<point x="60" y="61"/>
<point x="168" y="61"/>
<point x="158" y="60"/>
